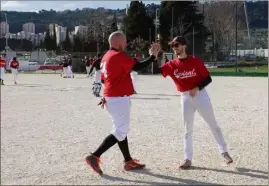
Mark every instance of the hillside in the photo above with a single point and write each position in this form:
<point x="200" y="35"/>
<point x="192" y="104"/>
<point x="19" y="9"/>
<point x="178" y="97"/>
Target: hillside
<point x="257" y="12"/>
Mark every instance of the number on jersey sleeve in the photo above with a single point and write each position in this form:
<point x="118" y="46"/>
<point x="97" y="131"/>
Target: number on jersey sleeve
<point x="103" y="69"/>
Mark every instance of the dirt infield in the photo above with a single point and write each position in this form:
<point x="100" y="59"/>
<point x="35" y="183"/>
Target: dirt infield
<point x="49" y="124"/>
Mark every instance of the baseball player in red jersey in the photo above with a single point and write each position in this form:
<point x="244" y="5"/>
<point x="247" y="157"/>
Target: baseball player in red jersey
<point x="191" y="77"/>
<point x="116" y="67"/>
<point x="14" y="65"/>
<point x="2" y="69"/>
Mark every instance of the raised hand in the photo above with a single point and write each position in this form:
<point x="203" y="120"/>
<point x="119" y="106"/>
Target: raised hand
<point x="155" y="49"/>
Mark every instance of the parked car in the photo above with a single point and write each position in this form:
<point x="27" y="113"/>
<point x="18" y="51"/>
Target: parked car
<point x="34" y="60"/>
<point x="232" y="58"/>
<point x="50" y="61"/>
<point x="28" y="66"/>
<point x="250" y="57"/>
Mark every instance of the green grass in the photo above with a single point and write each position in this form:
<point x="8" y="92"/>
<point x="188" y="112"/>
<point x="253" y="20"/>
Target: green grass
<point x="257" y="69"/>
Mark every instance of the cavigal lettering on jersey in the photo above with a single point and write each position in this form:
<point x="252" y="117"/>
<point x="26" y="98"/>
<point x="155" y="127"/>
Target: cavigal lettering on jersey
<point x="184" y="74"/>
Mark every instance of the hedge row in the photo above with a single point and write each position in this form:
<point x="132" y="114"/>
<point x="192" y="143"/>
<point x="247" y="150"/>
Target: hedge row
<point x="246" y="74"/>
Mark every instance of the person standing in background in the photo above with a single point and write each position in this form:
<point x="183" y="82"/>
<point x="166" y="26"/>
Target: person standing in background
<point x="2" y="69"/>
<point x="93" y="58"/>
<point x="87" y="64"/>
<point x="165" y="59"/>
<point x="97" y="78"/>
<point x="14" y="66"/>
<point x="65" y="67"/>
<point x="70" y="72"/>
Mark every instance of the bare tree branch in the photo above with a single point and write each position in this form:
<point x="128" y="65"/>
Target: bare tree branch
<point x="220" y="19"/>
<point x="182" y="26"/>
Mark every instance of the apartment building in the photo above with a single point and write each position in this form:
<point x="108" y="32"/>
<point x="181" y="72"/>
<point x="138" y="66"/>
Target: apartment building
<point x="28" y="28"/>
<point x="4" y="29"/>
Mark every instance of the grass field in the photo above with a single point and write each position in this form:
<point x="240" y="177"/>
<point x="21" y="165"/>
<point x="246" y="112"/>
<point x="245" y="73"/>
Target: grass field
<point x="245" y="69"/>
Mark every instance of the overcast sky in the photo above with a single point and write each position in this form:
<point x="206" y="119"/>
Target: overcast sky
<point x="26" y="6"/>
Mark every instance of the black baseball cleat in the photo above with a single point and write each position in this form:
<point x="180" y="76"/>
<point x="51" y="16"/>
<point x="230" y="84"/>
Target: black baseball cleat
<point x="227" y="158"/>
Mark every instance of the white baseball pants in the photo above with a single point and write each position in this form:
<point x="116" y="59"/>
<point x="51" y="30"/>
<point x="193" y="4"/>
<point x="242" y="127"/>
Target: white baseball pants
<point x="201" y="102"/>
<point x="133" y="76"/>
<point x="88" y="68"/>
<point x="97" y="76"/>
<point x="2" y="72"/>
<point x="65" y="71"/>
<point x="15" y="74"/>
<point x="70" y="72"/>
<point x="119" y="109"/>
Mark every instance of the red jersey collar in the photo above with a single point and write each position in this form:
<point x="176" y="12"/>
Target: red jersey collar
<point x="114" y="49"/>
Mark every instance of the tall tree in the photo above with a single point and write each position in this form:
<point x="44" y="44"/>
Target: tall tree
<point x="54" y="40"/>
<point x="67" y="43"/>
<point x="41" y="44"/>
<point x="114" y="26"/>
<point x="139" y="45"/>
<point x="187" y="21"/>
<point x="220" y="20"/>
<point x="47" y="40"/>
<point x="77" y="47"/>
<point x="137" y="23"/>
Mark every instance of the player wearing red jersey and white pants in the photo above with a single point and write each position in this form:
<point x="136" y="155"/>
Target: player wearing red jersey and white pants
<point x="115" y="70"/>
<point x="191" y="77"/>
<point x="14" y="66"/>
<point x="2" y="69"/>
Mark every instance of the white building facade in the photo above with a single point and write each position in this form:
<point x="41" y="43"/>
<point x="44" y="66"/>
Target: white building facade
<point x="60" y="34"/>
<point x="81" y="31"/>
<point x="4" y="29"/>
<point x="28" y="28"/>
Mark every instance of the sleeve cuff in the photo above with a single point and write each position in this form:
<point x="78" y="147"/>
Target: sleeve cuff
<point x="163" y="74"/>
<point x="152" y="57"/>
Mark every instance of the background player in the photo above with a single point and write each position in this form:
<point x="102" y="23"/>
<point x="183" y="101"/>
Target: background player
<point x="69" y="67"/>
<point x="14" y="66"/>
<point x="2" y="69"/>
<point x="97" y="78"/>
<point x="65" y="67"/>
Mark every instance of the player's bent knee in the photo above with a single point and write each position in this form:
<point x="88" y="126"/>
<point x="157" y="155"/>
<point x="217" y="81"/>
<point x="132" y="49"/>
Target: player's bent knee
<point x="120" y="135"/>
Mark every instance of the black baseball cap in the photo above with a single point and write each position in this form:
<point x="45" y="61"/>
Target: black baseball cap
<point x="179" y="39"/>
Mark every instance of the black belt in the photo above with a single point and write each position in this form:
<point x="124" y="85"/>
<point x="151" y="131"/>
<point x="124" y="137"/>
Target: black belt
<point x="124" y="96"/>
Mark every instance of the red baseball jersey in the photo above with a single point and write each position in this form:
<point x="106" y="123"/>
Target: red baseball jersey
<point x="186" y="73"/>
<point x="14" y="64"/>
<point x="2" y="62"/>
<point x="115" y="72"/>
<point x="91" y="61"/>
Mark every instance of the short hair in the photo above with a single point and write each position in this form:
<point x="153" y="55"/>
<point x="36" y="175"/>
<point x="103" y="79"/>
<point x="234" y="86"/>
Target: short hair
<point x="115" y="34"/>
